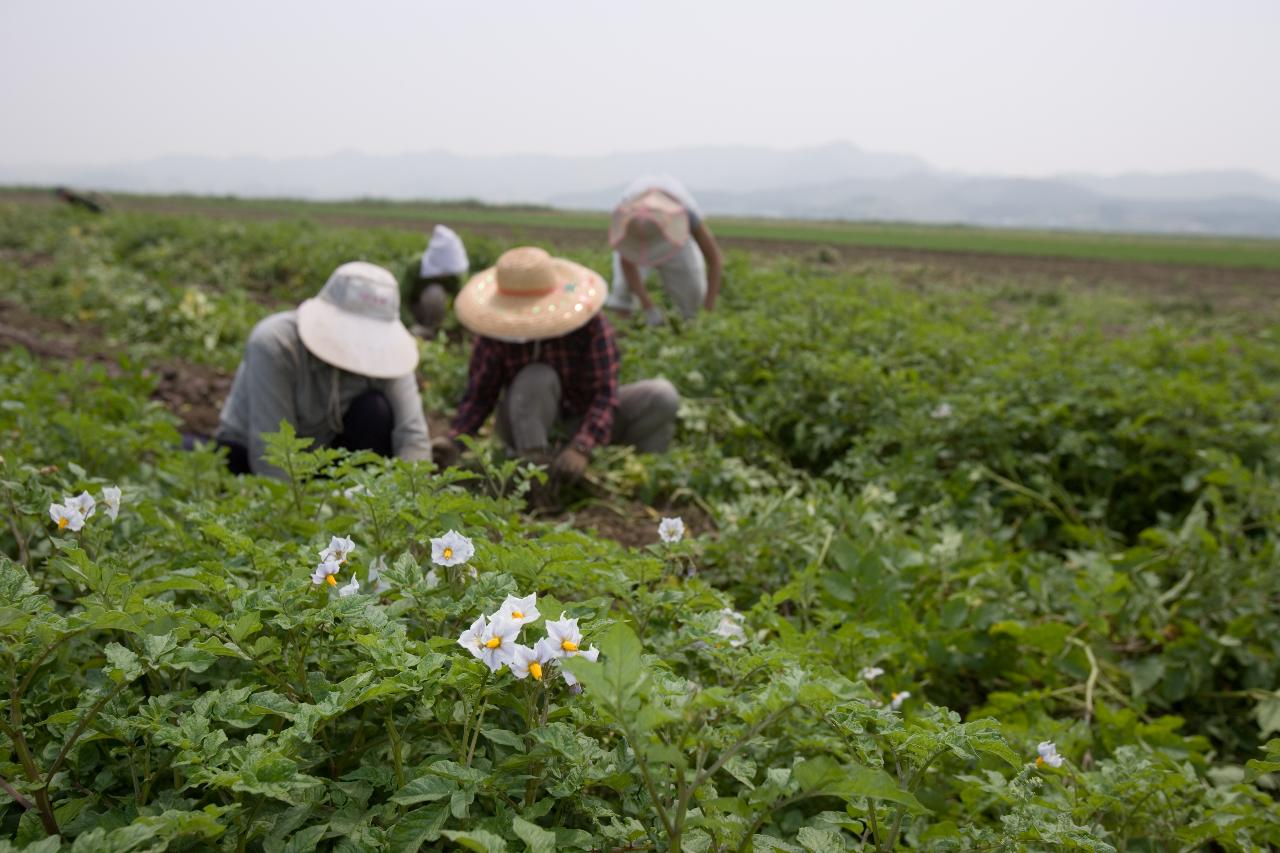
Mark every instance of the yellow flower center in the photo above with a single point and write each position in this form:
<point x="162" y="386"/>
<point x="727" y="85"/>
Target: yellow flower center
<point x="330" y="580"/>
<point x="447" y="553"/>
<point x="894" y="695"/>
<point x="516" y="614"/>
<point x="63" y="522"/>
<point x="569" y="646"/>
<point x="1039" y="761"/>
<point x="535" y="669"/>
<point x="493" y="643"/>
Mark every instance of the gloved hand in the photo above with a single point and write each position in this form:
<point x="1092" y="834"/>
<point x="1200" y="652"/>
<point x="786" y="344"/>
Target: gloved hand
<point x="568" y="467"/>
<point x="445" y="451"/>
<point x="653" y="316"/>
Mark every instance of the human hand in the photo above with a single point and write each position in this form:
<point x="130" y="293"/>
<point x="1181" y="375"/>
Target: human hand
<point x="653" y="316"/>
<point x="569" y="466"/>
<point x="445" y="451"/>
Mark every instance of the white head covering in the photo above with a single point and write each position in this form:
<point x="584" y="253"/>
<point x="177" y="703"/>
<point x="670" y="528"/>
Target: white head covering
<point x="445" y="254"/>
<point x="354" y="323"/>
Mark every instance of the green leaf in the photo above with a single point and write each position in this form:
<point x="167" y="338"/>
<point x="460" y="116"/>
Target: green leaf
<point x="425" y="789"/>
<point x="478" y="840"/>
<point x="418" y="827"/>
<point x="125" y="665"/>
<point x="538" y="839"/>
<point x="850" y="781"/>
<point x="1267" y="713"/>
<point x="820" y="840"/>
<point x="246" y="626"/>
<point x="305" y="840"/>
<point x="619" y="673"/>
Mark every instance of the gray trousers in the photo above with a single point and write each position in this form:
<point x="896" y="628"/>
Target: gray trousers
<point x="529" y="412"/>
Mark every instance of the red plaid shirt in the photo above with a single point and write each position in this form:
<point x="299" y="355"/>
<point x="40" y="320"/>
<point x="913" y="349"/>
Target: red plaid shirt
<point x="586" y="360"/>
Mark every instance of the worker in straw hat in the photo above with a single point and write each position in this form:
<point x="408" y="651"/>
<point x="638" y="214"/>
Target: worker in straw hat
<point x="546" y="359"/>
<point x="433" y="278"/>
<point x="339" y="369"/>
<point x="657" y="226"/>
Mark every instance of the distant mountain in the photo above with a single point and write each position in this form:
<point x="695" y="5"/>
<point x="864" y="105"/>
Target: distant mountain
<point x="837" y="181"/>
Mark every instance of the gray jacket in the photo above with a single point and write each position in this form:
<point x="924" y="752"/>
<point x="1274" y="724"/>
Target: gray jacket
<point x="279" y="379"/>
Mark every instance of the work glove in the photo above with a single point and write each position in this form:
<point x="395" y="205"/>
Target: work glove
<point x="653" y="316"/>
<point x="445" y="451"/>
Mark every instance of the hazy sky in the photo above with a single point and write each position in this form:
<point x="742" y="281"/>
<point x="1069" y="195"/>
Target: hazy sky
<point x="1009" y="86"/>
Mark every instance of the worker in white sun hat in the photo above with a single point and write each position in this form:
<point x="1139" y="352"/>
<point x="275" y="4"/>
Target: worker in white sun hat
<point x="433" y="279"/>
<point x="657" y="226"/>
<point x="339" y="368"/>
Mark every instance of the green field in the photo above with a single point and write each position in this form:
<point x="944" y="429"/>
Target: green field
<point x="1134" y="248"/>
<point x="1042" y="514"/>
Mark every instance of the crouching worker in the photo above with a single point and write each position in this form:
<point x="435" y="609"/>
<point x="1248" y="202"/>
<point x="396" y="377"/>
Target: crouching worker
<point x="546" y="358"/>
<point x="339" y="369"/>
<point x="433" y="279"/>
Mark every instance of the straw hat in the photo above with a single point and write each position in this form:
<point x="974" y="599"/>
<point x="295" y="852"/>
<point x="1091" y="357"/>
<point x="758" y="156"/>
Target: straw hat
<point x="530" y="296"/>
<point x="445" y="254"/>
<point x="354" y="323"/>
<point x="649" y="229"/>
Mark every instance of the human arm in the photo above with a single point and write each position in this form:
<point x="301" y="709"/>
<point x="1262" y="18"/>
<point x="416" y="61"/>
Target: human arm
<point x="485" y="380"/>
<point x="600" y="374"/>
<point x="715" y="262"/>
<point x="409" y="437"/>
<point x="268" y="371"/>
<point x="635" y="283"/>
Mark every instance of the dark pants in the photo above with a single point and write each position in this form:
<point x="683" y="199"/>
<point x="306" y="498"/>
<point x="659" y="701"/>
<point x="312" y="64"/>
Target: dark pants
<point x="365" y="426"/>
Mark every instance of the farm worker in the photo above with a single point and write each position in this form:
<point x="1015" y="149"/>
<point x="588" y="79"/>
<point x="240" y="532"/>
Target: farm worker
<point x="339" y="368"/>
<point x="651" y="230"/>
<point x="434" y="278"/>
<point x="546" y="358"/>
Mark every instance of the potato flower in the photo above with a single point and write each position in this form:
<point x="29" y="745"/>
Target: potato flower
<point x="730" y="627"/>
<point x="326" y="572"/>
<point x="896" y="699"/>
<point x="451" y="549"/>
<point x="66" y="517"/>
<point x="522" y="611"/>
<point x="563" y="636"/>
<point x="941" y="412"/>
<point x="111" y="499"/>
<point x="376" y="568"/>
<point x="531" y="661"/>
<point x="498" y="642"/>
<point x="82" y="503"/>
<point x="349" y="589"/>
<point x="1048" y="756"/>
<point x="472" y="638"/>
<point x="870" y="673"/>
<point x="671" y="529"/>
<point x="590" y="654"/>
<point x="433" y="579"/>
<point x="339" y="550"/>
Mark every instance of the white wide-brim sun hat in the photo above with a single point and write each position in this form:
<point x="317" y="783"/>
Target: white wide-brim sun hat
<point x="354" y="323"/>
<point x="530" y="296"/>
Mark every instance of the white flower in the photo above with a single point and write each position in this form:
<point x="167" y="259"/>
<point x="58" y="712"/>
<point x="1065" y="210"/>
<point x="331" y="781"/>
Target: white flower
<point x="498" y="642"/>
<point x="530" y="661"/>
<point x="563" y="636"/>
<point x="433" y="579"/>
<point x="82" y="503"/>
<point x="376" y="568"/>
<point x="589" y="654"/>
<point x="1048" y="755"/>
<point x="471" y="638"/>
<point x="522" y="611"/>
<point x="339" y="550"/>
<point x="671" y="529"/>
<point x="354" y="492"/>
<point x="451" y="549"/>
<point x="111" y="498"/>
<point x="326" y="572"/>
<point x="941" y="412"/>
<point x="349" y="589"/>
<point x="896" y="699"/>
<point x="730" y="627"/>
<point x="66" y="517"/>
<point x="870" y="673"/>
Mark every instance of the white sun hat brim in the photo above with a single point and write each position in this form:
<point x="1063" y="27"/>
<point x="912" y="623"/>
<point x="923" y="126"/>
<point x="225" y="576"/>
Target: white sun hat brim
<point x="365" y="346"/>
<point x="578" y="295"/>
